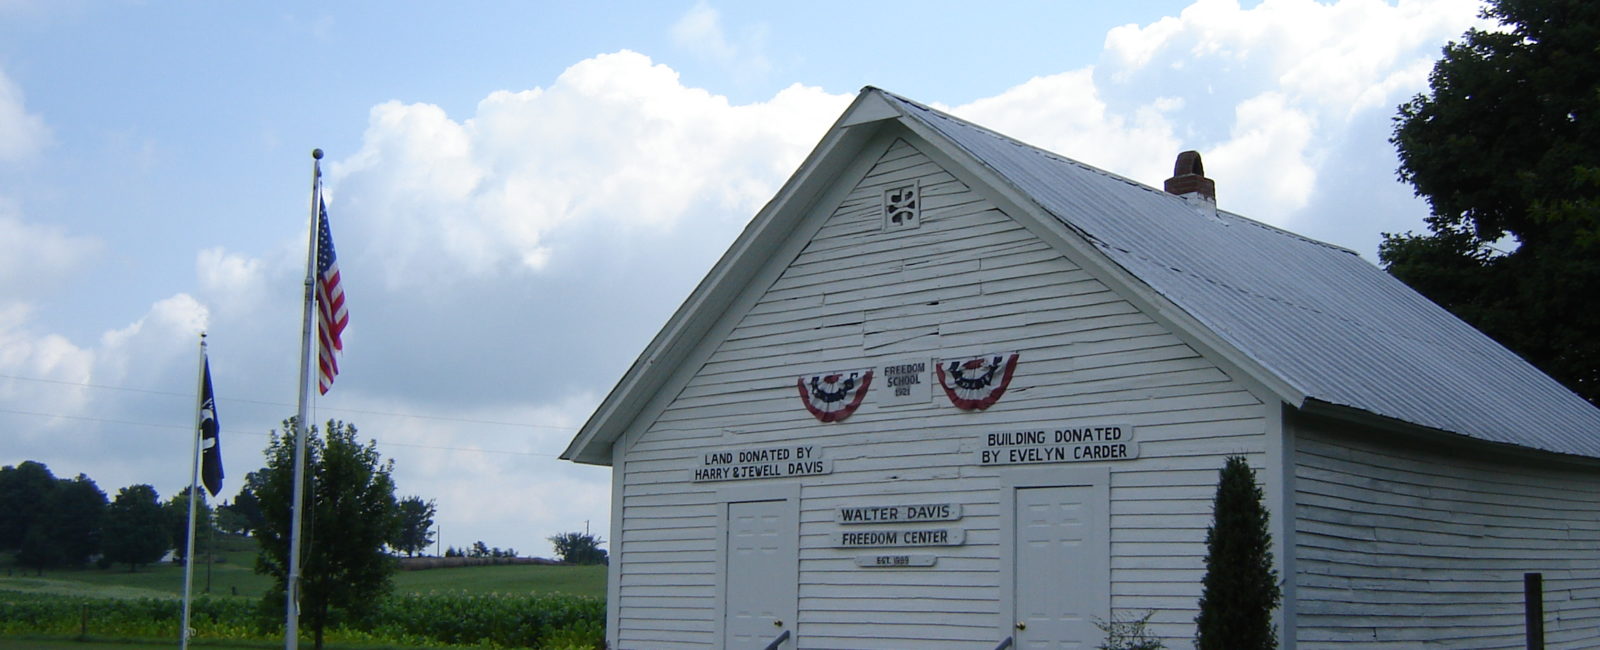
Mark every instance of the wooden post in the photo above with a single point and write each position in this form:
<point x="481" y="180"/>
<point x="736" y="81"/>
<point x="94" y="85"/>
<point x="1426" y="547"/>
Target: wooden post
<point x="1533" y="609"/>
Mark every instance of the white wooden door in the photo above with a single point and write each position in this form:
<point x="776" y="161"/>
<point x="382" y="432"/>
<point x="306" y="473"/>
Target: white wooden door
<point x="1058" y="588"/>
<point x="762" y="586"/>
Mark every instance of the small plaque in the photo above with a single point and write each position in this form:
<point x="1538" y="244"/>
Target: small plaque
<point x="896" y="561"/>
<point x="905" y="383"/>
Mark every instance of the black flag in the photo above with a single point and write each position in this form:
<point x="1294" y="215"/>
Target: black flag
<point x="210" y="441"/>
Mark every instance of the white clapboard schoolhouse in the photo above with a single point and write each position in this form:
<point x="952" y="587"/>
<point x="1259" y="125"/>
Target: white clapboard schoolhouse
<point x="948" y="389"/>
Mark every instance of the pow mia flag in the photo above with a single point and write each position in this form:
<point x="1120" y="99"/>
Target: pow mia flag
<point x="210" y="441"/>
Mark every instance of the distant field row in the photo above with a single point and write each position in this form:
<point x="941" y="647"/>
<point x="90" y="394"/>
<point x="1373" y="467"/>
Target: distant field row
<point x="237" y="577"/>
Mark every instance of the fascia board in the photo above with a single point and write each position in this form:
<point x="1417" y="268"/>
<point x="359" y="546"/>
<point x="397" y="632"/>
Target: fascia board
<point x="1267" y="385"/>
<point x="750" y="252"/>
<point x="1439" y="439"/>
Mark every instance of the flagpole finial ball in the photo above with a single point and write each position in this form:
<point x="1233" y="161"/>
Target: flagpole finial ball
<point x="316" y="153"/>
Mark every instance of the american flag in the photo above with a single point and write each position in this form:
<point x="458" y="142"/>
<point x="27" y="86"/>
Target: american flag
<point x="331" y="315"/>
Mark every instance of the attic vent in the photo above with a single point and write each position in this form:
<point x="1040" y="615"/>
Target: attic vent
<point x="902" y="207"/>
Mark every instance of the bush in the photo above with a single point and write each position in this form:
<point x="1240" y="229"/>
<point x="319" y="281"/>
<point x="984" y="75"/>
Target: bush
<point x="1128" y="633"/>
<point x="1240" y="588"/>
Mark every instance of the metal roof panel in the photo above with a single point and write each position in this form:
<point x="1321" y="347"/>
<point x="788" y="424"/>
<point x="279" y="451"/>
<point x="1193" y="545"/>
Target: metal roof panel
<point x="1318" y="316"/>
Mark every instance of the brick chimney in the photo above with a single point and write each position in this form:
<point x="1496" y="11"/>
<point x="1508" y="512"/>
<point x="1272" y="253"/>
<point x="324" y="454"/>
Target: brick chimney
<point x="1189" y="179"/>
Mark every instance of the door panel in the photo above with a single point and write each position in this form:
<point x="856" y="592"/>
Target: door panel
<point x="1058" y="590"/>
<point x="762" y="586"/>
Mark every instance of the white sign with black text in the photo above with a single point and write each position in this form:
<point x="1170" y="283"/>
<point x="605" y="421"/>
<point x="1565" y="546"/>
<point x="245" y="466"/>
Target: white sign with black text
<point x="905" y="382"/>
<point x="897" y="514"/>
<point x="903" y="537"/>
<point x="762" y="462"/>
<point x="1076" y="443"/>
<point x="895" y="561"/>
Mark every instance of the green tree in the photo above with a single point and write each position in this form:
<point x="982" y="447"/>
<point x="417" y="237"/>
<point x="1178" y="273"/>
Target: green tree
<point x="231" y="522"/>
<point x="579" y="548"/>
<point x="73" y="515"/>
<point x="176" y="510"/>
<point x="415" y="531"/>
<point x="350" y="514"/>
<point x="135" y="529"/>
<point x="23" y="489"/>
<point x="1240" y="587"/>
<point x="1505" y="147"/>
<point x="37" y="551"/>
<point x="245" y="517"/>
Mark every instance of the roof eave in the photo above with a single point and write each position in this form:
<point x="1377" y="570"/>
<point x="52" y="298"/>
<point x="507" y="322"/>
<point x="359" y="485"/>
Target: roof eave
<point x="1317" y="407"/>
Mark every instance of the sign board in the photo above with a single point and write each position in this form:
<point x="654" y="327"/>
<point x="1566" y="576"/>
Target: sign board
<point x="905" y="382"/>
<point x="1076" y="443"/>
<point x="895" y="561"/>
<point x="762" y="462"/>
<point x="897" y="514"/>
<point x="900" y="537"/>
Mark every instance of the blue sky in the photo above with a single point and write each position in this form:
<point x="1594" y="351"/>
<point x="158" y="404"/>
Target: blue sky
<point x="522" y="192"/>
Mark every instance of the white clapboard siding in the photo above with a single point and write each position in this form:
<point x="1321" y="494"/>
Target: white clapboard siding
<point x="1400" y="545"/>
<point x="969" y="280"/>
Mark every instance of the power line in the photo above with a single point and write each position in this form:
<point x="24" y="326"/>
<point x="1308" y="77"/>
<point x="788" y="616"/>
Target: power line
<point x="287" y="405"/>
<point x="84" y="418"/>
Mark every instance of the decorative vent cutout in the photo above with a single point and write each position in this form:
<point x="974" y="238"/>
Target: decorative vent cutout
<point x="902" y="207"/>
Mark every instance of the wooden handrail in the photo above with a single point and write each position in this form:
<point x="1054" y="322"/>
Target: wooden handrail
<point x="1004" y="644"/>
<point x="778" y="641"/>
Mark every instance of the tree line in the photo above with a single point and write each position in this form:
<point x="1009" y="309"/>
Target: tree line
<point x="66" y="523"/>
<point x="49" y="522"/>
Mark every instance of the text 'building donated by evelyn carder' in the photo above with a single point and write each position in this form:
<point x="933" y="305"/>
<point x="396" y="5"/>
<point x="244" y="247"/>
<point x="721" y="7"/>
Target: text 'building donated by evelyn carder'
<point x="948" y="389"/>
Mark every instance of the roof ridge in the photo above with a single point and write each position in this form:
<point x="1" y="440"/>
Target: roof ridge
<point x="1091" y="168"/>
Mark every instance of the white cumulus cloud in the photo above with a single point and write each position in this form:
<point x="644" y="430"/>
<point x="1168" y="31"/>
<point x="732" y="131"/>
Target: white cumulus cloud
<point x="700" y="31"/>
<point x="616" y="143"/>
<point x="21" y="133"/>
<point x="36" y="258"/>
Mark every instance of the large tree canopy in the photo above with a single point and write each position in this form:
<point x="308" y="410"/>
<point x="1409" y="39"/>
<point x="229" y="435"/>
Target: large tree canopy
<point x="135" y="529"/>
<point x="350" y="514"/>
<point x="1505" y="147"/>
<point x="176" y="511"/>
<point x="72" y="519"/>
<point x="23" y="489"/>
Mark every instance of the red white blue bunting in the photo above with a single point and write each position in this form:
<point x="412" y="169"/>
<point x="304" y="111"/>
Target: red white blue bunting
<point x="976" y="383"/>
<point x="833" y="397"/>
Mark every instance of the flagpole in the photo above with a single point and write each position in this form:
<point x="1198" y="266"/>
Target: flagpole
<point x="194" y="482"/>
<point x="291" y="631"/>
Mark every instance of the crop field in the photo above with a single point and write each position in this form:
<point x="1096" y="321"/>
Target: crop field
<point x="508" y="606"/>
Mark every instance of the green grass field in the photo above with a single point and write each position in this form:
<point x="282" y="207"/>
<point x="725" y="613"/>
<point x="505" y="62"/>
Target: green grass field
<point x="234" y="575"/>
<point x="167" y="581"/>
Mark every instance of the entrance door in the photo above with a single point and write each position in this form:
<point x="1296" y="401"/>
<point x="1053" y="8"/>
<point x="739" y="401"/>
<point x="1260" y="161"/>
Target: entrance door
<point x="1061" y="575"/>
<point x="762" y="573"/>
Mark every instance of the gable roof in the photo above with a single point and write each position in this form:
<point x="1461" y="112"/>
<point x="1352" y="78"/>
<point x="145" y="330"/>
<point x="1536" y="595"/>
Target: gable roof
<point x="1323" y="327"/>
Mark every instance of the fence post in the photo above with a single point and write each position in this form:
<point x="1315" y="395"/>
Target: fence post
<point x="1533" y="609"/>
<point x="83" y="622"/>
